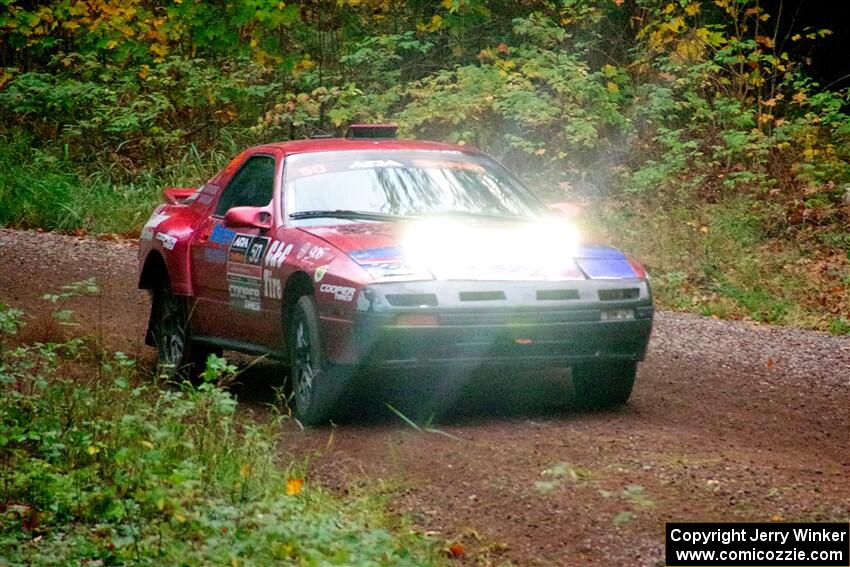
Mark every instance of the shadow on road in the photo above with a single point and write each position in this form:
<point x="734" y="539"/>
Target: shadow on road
<point x="445" y="397"/>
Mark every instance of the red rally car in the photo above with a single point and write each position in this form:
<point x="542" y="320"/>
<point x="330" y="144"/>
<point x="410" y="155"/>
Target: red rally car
<point x="337" y="255"/>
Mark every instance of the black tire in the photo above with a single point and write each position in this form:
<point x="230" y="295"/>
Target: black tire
<point x="604" y="384"/>
<point x="177" y="355"/>
<point x="316" y="384"/>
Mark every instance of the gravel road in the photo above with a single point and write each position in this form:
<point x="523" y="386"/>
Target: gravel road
<point x="729" y="421"/>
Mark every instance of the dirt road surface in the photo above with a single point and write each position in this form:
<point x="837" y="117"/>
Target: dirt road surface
<point x="730" y="421"/>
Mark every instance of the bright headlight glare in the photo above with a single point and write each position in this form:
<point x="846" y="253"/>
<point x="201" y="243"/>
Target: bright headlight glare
<point x="547" y="246"/>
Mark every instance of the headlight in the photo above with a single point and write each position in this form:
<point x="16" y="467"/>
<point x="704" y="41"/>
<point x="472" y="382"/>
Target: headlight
<point x="546" y="247"/>
<point x="397" y="272"/>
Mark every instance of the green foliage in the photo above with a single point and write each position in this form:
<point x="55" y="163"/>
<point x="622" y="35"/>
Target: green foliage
<point x="122" y="470"/>
<point x="678" y="108"/>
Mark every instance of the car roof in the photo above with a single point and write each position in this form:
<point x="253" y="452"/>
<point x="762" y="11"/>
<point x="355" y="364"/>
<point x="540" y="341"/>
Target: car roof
<point x="342" y="144"/>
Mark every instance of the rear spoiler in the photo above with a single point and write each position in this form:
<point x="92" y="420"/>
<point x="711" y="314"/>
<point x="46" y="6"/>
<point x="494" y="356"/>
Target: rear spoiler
<point x="175" y="195"/>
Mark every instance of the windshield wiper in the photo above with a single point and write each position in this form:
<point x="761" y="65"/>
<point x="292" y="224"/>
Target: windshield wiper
<point x="346" y="214"/>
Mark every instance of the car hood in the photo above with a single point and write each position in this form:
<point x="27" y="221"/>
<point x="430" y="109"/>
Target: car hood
<point x="476" y="250"/>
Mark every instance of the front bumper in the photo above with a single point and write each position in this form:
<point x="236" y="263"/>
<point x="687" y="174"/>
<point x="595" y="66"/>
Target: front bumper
<point x="501" y="323"/>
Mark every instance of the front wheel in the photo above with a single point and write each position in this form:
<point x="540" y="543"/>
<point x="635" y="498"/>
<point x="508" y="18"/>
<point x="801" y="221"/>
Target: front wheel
<point x="316" y="384"/>
<point x="604" y="384"/>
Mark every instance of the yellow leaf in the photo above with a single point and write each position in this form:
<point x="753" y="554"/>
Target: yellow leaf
<point x="704" y="229"/>
<point x="111" y="44"/>
<point x="540" y="152"/>
<point x="160" y="504"/>
<point x="293" y="486"/>
<point x="92" y="450"/>
<point x="692" y="9"/>
<point x="159" y="49"/>
<point x="613" y="87"/>
<point x="146" y="444"/>
<point x="448" y="4"/>
<point x="796" y="37"/>
<point x="245" y="470"/>
<point x="799" y="98"/>
<point x="179" y="517"/>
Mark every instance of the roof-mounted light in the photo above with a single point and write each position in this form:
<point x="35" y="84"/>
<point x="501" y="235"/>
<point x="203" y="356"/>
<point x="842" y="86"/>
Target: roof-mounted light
<point x="373" y="131"/>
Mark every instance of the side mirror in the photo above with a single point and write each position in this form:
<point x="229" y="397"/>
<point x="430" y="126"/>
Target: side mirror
<point x="566" y="210"/>
<point x="248" y="217"/>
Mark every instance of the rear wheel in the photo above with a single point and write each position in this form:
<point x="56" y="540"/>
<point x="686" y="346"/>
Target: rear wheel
<point x="177" y="354"/>
<point x="604" y="384"/>
<point x="316" y="384"/>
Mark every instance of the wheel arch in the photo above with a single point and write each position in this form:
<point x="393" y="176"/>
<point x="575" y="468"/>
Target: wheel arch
<point x="154" y="272"/>
<point x="153" y="277"/>
<point x="297" y="285"/>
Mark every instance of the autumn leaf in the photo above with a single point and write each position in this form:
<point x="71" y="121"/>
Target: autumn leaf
<point x="456" y="550"/>
<point x="293" y="486"/>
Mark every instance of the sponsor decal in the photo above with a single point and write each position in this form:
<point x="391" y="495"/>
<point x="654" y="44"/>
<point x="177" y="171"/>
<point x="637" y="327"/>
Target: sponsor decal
<point x="222" y="235"/>
<point x="277" y="254"/>
<point x="312" y="170"/>
<point x="320" y="273"/>
<point x="215" y="255"/>
<point x="447" y="164"/>
<point x="275" y="257"/>
<point x="245" y="270"/>
<point x="271" y="286"/>
<point x="315" y="253"/>
<point x="153" y="222"/>
<point x="372" y="163"/>
<point x="305" y="248"/>
<point x="310" y="253"/>
<point x="244" y="295"/>
<point x="168" y="241"/>
<point x="340" y="293"/>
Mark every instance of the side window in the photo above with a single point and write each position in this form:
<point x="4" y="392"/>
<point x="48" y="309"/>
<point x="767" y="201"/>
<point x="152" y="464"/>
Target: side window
<point x="252" y="186"/>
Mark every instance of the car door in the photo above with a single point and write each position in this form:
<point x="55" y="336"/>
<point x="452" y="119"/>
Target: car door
<point x="227" y="263"/>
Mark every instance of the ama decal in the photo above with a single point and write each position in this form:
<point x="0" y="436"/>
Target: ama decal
<point x="245" y="271"/>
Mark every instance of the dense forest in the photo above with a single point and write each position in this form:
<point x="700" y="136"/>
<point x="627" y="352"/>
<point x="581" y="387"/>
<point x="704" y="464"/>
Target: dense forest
<point x="696" y="133"/>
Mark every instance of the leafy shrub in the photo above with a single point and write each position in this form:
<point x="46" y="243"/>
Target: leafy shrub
<point x="116" y="469"/>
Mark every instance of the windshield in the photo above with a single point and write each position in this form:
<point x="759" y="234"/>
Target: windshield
<point x="332" y="187"/>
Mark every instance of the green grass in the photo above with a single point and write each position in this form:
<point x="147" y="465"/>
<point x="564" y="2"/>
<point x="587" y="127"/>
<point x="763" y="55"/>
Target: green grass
<point x="100" y="464"/>
<point x="45" y="188"/>
<point x="717" y="260"/>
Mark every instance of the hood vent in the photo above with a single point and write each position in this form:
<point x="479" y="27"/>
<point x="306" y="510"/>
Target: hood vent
<point x="556" y="294"/>
<point x="619" y="294"/>
<point x="412" y="299"/>
<point x="482" y="295"/>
